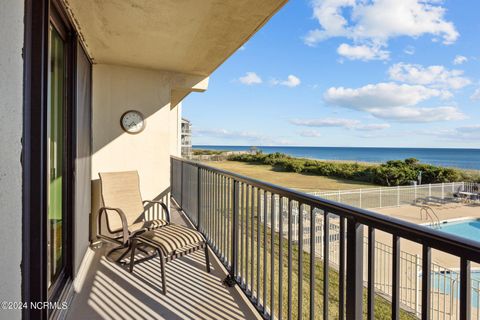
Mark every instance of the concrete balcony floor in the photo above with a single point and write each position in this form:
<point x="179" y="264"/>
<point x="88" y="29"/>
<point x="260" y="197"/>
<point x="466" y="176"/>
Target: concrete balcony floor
<point x="105" y="290"/>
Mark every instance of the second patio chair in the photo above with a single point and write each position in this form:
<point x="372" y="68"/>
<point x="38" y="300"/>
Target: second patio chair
<point x="124" y="212"/>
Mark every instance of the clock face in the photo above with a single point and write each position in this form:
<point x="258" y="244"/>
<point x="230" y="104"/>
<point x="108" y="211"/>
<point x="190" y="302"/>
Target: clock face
<point x="132" y="122"/>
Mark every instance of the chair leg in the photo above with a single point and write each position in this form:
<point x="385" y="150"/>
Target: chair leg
<point x="111" y="251"/>
<point x="119" y="260"/>
<point x="207" y="259"/>
<point x="132" y="254"/>
<point x="162" y="270"/>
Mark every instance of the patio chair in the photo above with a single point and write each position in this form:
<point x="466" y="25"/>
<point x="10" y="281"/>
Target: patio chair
<point x="125" y="211"/>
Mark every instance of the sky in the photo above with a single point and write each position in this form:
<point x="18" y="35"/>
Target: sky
<point x="349" y="73"/>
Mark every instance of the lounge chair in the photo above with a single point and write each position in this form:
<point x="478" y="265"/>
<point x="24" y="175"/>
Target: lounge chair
<point x="170" y="242"/>
<point x="125" y="211"/>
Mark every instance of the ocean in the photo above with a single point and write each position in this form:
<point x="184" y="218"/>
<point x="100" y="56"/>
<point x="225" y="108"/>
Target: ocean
<point x="456" y="158"/>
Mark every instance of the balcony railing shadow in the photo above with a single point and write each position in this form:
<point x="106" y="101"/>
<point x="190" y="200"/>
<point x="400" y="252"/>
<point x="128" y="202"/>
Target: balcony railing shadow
<point x="109" y="291"/>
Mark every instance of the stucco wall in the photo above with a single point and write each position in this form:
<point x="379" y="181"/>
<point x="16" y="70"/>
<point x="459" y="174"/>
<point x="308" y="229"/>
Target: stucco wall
<point x="117" y="89"/>
<point x="11" y="100"/>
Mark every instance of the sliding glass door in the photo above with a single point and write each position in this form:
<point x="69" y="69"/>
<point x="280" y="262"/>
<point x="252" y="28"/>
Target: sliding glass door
<point x="56" y="156"/>
<point x="49" y="154"/>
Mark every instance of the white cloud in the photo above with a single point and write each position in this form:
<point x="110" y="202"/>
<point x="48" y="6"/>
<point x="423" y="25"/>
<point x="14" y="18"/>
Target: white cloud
<point x="372" y="127"/>
<point x="459" y="59"/>
<point x="410" y="50"/>
<point x="393" y="102"/>
<point x="241" y="136"/>
<point x="339" y="122"/>
<point x="471" y="129"/>
<point x="380" y="95"/>
<point x="471" y="133"/>
<point x="375" y="22"/>
<point x="291" y="82"/>
<point x="476" y="95"/>
<point x="250" y="78"/>
<point x="310" y="134"/>
<point x="224" y="133"/>
<point x="410" y="114"/>
<point x="362" y="52"/>
<point x="325" y="122"/>
<point x="433" y="76"/>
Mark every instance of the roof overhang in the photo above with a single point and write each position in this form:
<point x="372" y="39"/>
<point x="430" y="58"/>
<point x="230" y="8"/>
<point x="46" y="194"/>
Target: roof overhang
<point x="185" y="36"/>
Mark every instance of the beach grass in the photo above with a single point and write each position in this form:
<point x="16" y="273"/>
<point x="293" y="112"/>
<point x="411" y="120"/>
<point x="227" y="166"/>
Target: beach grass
<point x="298" y="181"/>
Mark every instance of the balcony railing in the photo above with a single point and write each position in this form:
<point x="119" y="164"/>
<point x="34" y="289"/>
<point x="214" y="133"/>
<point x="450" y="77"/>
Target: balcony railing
<point x="267" y="237"/>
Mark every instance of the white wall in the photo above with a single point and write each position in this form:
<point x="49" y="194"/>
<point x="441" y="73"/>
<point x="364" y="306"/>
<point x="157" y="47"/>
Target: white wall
<point x="117" y="89"/>
<point x="11" y="104"/>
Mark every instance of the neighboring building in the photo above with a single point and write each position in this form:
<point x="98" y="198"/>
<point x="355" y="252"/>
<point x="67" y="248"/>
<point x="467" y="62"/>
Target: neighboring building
<point x="69" y="72"/>
<point x="186" y="138"/>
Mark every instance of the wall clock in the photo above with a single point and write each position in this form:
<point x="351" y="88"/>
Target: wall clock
<point x="132" y="121"/>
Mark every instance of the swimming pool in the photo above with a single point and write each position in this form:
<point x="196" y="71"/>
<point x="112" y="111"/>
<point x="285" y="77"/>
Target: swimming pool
<point x="469" y="229"/>
<point x="449" y="283"/>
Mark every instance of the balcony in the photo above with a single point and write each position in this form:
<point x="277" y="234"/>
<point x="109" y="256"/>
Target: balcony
<point x="262" y="237"/>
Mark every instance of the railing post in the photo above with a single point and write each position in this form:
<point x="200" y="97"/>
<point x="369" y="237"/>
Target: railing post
<point x="465" y="290"/>
<point x="426" y="282"/>
<point x="354" y="305"/>
<point x="181" y="184"/>
<point x="230" y="280"/>
<point x="199" y="197"/>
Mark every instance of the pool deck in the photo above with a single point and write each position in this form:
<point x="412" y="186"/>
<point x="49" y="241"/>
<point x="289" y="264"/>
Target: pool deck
<point x="444" y="212"/>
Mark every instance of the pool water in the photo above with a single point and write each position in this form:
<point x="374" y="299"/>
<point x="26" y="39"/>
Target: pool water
<point x="450" y="284"/>
<point x="469" y="229"/>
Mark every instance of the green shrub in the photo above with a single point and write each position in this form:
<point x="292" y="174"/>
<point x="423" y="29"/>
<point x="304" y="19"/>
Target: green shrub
<point x="391" y="173"/>
<point x="206" y="152"/>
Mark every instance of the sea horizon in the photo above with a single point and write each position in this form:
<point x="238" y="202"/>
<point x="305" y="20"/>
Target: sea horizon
<point x="461" y="158"/>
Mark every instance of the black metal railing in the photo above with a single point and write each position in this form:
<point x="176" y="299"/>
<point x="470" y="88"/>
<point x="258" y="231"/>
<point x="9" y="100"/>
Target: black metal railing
<point x="265" y="235"/>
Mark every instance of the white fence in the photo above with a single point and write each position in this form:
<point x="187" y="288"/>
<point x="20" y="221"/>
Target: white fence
<point x="370" y="198"/>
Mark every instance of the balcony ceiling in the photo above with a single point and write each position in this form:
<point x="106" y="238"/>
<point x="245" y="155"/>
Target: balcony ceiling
<point x="188" y="36"/>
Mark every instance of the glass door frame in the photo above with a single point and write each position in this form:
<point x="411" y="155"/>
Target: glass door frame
<point x="60" y="24"/>
<point x="39" y="14"/>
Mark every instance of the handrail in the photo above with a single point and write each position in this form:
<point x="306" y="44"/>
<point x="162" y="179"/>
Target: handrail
<point x="435" y="219"/>
<point x="448" y="243"/>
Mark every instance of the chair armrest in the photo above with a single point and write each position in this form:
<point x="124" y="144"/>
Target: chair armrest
<point x="163" y="205"/>
<point x="123" y="218"/>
